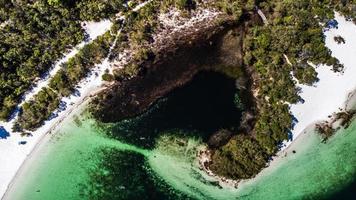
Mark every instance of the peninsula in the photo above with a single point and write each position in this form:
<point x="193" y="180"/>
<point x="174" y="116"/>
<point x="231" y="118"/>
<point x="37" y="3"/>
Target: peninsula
<point x="247" y="77"/>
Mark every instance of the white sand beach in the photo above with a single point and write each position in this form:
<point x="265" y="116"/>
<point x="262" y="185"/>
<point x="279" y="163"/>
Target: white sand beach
<point x="330" y="94"/>
<point x="333" y="92"/>
<point x="12" y="153"/>
<point x="93" y="29"/>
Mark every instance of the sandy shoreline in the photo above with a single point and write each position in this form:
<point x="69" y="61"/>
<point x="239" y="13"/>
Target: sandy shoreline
<point x="297" y="145"/>
<point x="14" y="155"/>
<point x="333" y="93"/>
<point x="328" y="95"/>
<point x="45" y="132"/>
<point x="45" y="138"/>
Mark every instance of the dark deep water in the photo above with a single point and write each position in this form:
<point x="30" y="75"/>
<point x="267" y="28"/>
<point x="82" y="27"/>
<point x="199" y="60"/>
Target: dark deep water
<point x="201" y="107"/>
<point x="84" y="163"/>
<point x="347" y="193"/>
<point x="126" y="176"/>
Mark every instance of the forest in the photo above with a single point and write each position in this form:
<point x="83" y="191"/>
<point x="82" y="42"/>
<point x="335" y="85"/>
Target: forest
<point x="63" y="84"/>
<point x="35" y="112"/>
<point x="293" y="32"/>
<point x="37" y="33"/>
<point x="276" y="53"/>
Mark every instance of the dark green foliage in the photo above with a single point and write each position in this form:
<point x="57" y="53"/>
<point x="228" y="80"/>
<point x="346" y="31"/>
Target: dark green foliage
<point x="36" y="111"/>
<point x="141" y="24"/>
<point x="231" y="7"/>
<point x="36" y="35"/>
<point x="305" y="74"/>
<point x="235" y="8"/>
<point x="96" y="10"/>
<point x="108" y="77"/>
<point x="241" y="158"/>
<point x="292" y="31"/>
<point x="5" y="9"/>
<point x="128" y="72"/>
<point x="186" y="4"/>
<point x="272" y="126"/>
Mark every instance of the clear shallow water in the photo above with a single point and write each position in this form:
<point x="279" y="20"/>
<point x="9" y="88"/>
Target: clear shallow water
<point x="61" y="167"/>
<point x="315" y="171"/>
<point x="80" y="162"/>
<point x="153" y="156"/>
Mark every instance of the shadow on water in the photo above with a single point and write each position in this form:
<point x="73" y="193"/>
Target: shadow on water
<point x="126" y="176"/>
<point x="347" y="193"/>
<point x="203" y="106"/>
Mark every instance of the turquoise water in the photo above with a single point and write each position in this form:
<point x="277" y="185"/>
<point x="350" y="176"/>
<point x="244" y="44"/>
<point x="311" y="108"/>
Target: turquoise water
<point x="153" y="155"/>
<point x="81" y="162"/>
<point x="316" y="170"/>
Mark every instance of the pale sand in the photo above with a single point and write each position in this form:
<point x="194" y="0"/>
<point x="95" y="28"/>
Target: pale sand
<point x="330" y="94"/>
<point x="334" y="92"/>
<point x="39" y="148"/>
<point x="14" y="155"/>
<point x="93" y="29"/>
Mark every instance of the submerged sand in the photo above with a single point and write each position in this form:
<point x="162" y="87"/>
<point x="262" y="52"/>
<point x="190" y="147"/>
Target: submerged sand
<point x="328" y="95"/>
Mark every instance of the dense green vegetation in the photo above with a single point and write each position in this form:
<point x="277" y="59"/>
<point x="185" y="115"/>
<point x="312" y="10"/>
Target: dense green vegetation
<point x="134" y="32"/>
<point x="5" y="6"/>
<point x="235" y="8"/>
<point x="37" y="34"/>
<point x="295" y="32"/>
<point x="93" y="10"/>
<point x="37" y="110"/>
<point x="35" y="38"/>
<point x="274" y="53"/>
<point x="240" y="158"/>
